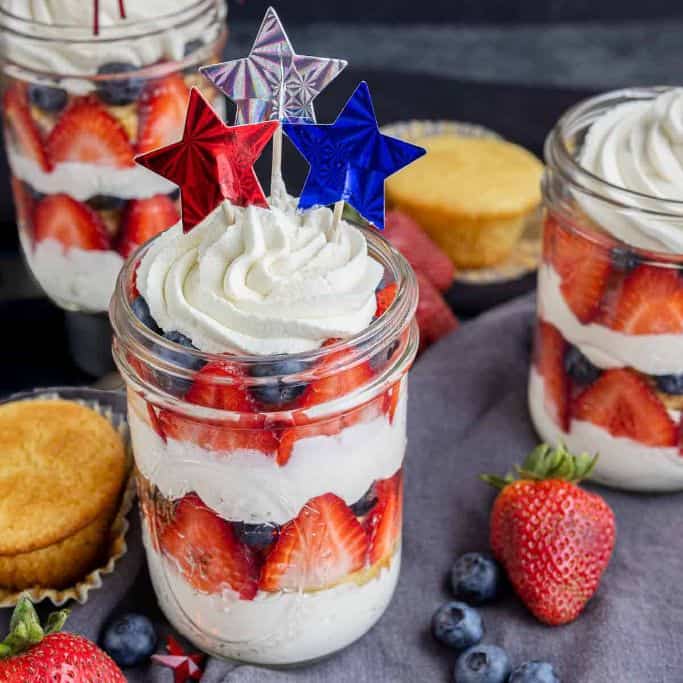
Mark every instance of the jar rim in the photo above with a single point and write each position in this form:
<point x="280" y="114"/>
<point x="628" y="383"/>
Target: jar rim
<point x="132" y="336"/>
<point x="560" y="158"/>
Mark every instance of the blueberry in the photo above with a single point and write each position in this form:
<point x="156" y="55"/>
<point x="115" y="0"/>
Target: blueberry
<point x="105" y="202"/>
<point x="476" y="578"/>
<point x="169" y="382"/>
<point x="281" y="392"/>
<point x="129" y="640"/>
<point x="670" y="384"/>
<point x="482" y="664"/>
<point x="624" y="259"/>
<point x="141" y="310"/>
<point x="36" y="195"/>
<point x="174" y="195"/>
<point x="192" y="46"/>
<point x="363" y="505"/>
<point x="579" y="368"/>
<point x="457" y="625"/>
<point x="380" y="360"/>
<point x="118" y="91"/>
<point x="256" y="536"/>
<point x="534" y="672"/>
<point x="47" y="98"/>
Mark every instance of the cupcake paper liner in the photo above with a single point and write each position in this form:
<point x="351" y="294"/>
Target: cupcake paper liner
<point x="117" y="546"/>
<point x="526" y="255"/>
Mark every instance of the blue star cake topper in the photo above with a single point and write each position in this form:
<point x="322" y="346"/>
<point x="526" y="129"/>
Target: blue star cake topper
<point x="273" y="82"/>
<point x="350" y="159"/>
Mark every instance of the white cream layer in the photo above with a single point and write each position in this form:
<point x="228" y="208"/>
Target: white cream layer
<point x="623" y="463"/>
<point x="153" y="31"/>
<point x="262" y="281"/>
<point x="250" y="486"/>
<point x="651" y="354"/>
<point x="75" y="278"/>
<point x="274" y="628"/>
<point x="84" y="181"/>
<point x="638" y="146"/>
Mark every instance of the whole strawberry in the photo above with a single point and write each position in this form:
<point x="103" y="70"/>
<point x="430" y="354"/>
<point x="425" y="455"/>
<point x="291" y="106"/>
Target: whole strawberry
<point x="30" y="654"/>
<point x="553" y="538"/>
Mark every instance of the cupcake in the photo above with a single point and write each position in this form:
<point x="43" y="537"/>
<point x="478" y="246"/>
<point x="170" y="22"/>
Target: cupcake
<point x="471" y="194"/>
<point x="63" y="471"/>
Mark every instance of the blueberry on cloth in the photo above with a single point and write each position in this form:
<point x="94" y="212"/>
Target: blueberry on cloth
<point x="534" y="672"/>
<point x="457" y="625"/>
<point x="119" y="91"/>
<point x="482" y="664"/>
<point x="476" y="578"/>
<point x="129" y="640"/>
<point x="281" y="392"/>
<point x="579" y="368"/>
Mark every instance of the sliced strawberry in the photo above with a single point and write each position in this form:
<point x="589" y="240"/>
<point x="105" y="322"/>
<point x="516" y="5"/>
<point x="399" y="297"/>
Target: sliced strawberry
<point x="22" y="128"/>
<point x="88" y="133"/>
<point x="650" y="302"/>
<point x="385" y="297"/>
<point x="550" y="350"/>
<point x="162" y="113"/>
<point x="330" y="385"/>
<point x="434" y="317"/>
<point x="207" y="552"/>
<point x="23" y="203"/>
<point x="383" y="524"/>
<point x="318" y="549"/>
<point x="584" y="268"/>
<point x="419" y="250"/>
<point x="622" y="403"/>
<point x="220" y="385"/>
<point x="392" y="398"/>
<point x="154" y="421"/>
<point x="61" y="218"/>
<point x="143" y="219"/>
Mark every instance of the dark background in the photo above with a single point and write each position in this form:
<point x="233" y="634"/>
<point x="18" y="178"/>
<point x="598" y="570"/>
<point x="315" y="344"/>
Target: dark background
<point x="474" y="11"/>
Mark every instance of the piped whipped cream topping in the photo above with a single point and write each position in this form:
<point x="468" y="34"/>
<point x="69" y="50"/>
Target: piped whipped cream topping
<point x="638" y="146"/>
<point x="261" y="281"/>
<point x="152" y="31"/>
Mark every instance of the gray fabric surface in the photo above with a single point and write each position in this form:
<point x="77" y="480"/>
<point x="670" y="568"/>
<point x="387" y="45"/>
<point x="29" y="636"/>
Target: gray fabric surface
<point x="468" y="415"/>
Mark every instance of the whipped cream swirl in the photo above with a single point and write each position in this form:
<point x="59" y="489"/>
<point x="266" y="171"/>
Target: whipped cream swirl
<point x="261" y="281"/>
<point x="56" y="36"/>
<point x="639" y="146"/>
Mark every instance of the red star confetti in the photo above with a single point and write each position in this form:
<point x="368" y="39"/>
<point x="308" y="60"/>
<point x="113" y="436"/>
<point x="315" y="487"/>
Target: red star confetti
<point x="212" y="162"/>
<point x="185" y="667"/>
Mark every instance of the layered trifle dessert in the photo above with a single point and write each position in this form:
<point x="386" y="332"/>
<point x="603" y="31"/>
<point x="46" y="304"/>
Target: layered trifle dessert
<point x="607" y="374"/>
<point x="87" y="86"/>
<point x="265" y="354"/>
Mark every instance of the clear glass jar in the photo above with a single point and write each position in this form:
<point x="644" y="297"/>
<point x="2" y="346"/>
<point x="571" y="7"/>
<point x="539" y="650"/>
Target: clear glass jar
<point x="77" y="108"/>
<point x="273" y="536"/>
<point x="607" y="374"/>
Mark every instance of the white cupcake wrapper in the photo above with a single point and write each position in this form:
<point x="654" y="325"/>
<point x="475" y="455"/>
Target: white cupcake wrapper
<point x="117" y="546"/>
<point x="527" y="253"/>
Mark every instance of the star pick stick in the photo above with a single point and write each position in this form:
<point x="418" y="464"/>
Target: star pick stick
<point x="184" y="666"/>
<point x="274" y="83"/>
<point x="212" y="162"/>
<point x="350" y="159"/>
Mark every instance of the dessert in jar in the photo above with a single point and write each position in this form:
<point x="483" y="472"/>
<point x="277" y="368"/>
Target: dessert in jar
<point x="607" y="374"/>
<point x="86" y="87"/>
<point x="270" y="434"/>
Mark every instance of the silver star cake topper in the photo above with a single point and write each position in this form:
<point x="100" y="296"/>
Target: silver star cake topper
<point x="273" y="82"/>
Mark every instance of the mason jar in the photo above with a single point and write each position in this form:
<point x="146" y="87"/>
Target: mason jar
<point x="273" y="535"/>
<point x="607" y="372"/>
<point x="77" y="107"/>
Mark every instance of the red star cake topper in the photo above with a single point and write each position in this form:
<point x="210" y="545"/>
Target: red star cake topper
<point x="212" y="162"/>
<point x="96" y="15"/>
<point x="185" y="667"/>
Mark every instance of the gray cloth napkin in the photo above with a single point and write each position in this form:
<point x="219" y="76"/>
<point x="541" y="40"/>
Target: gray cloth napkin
<point x="468" y="414"/>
